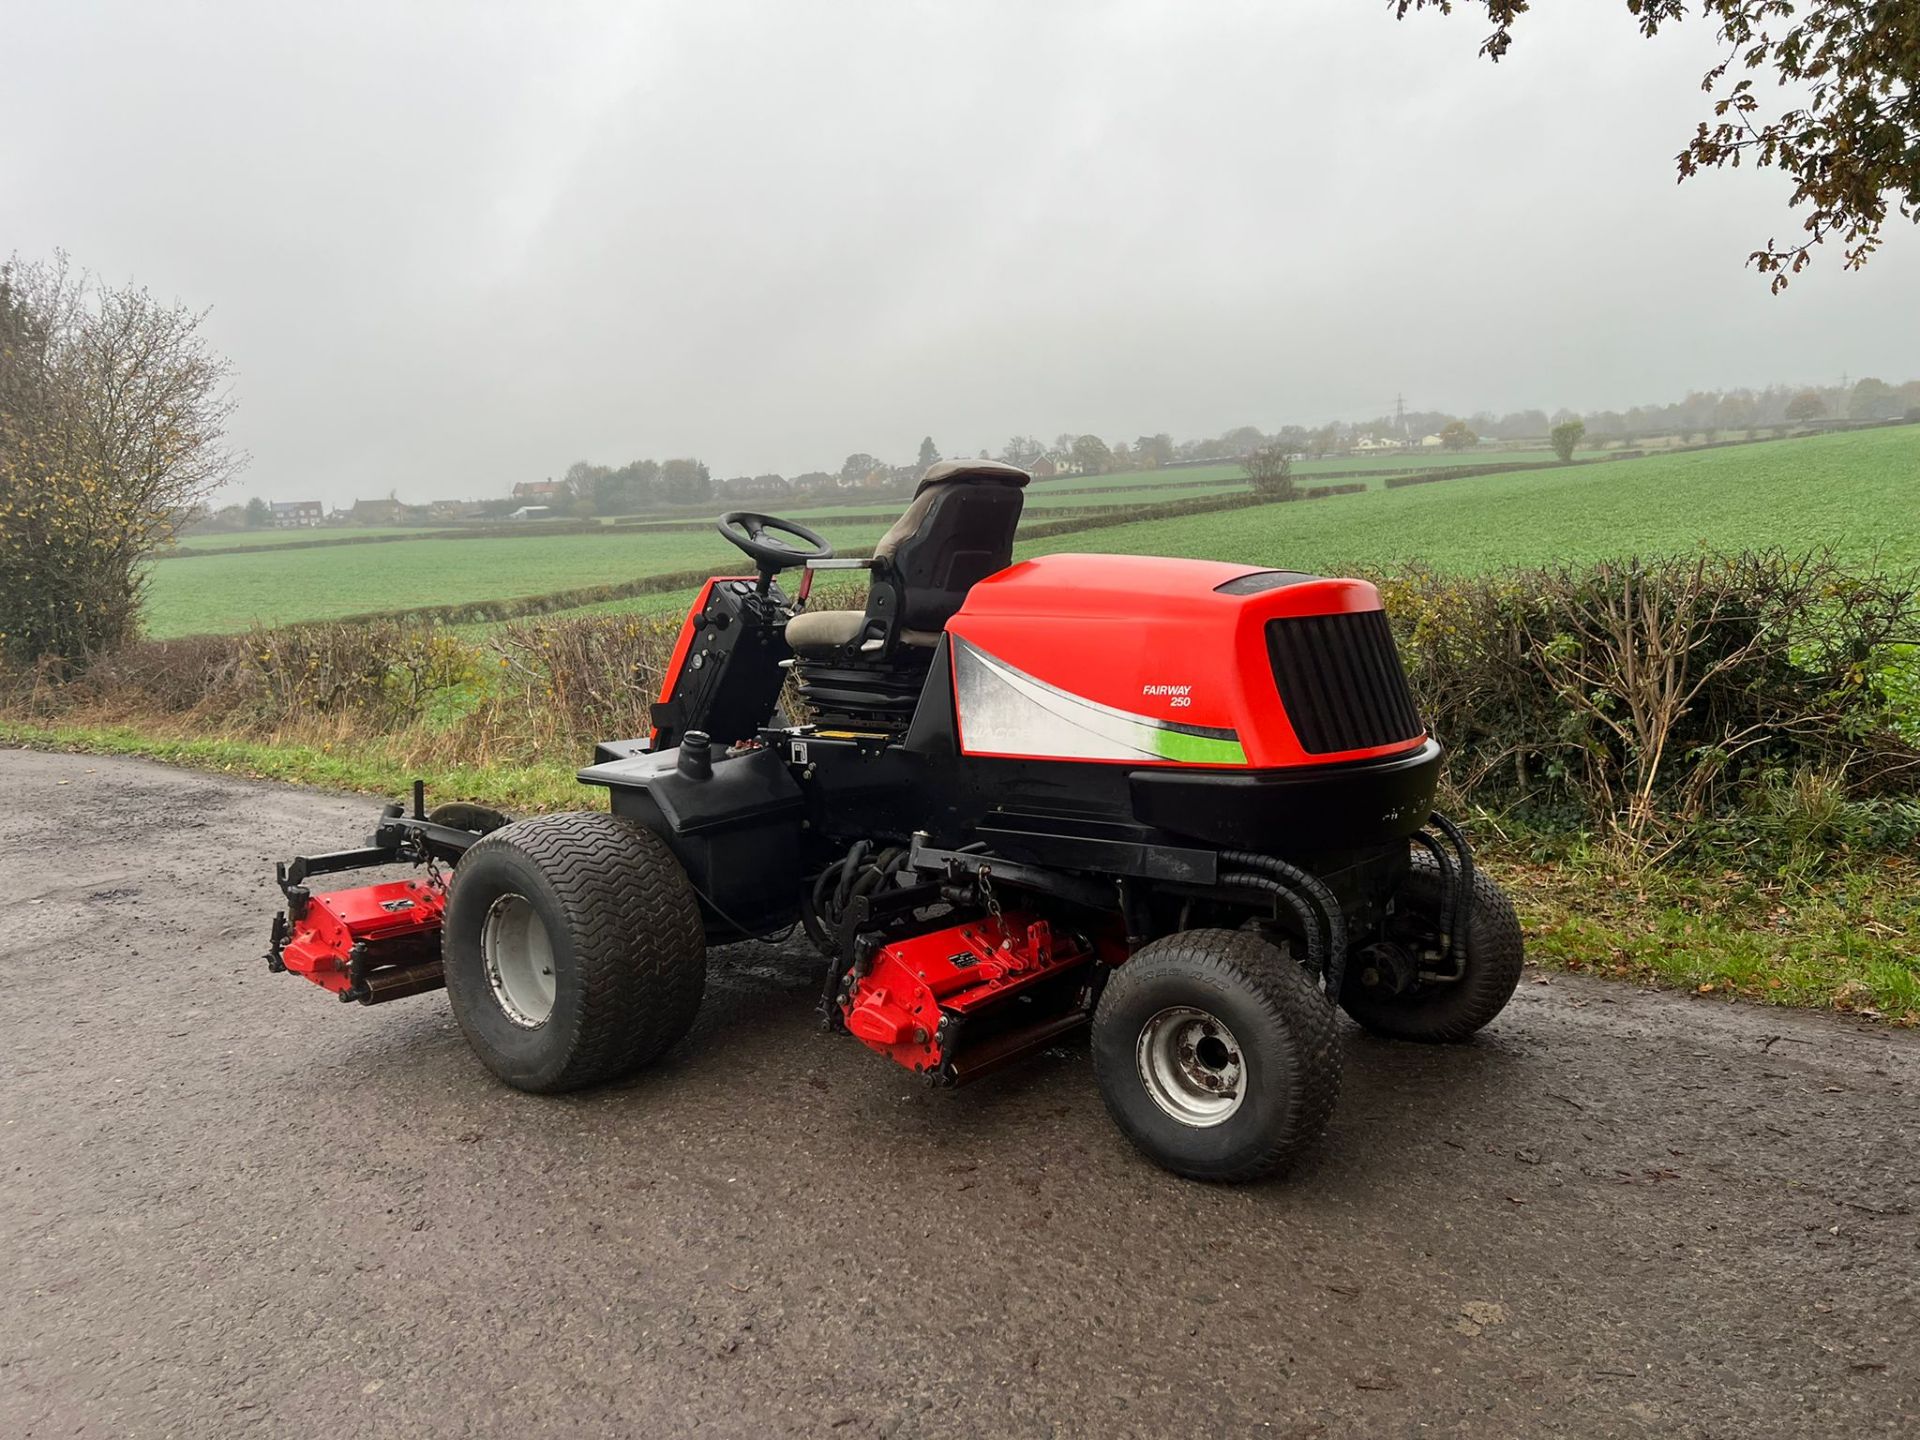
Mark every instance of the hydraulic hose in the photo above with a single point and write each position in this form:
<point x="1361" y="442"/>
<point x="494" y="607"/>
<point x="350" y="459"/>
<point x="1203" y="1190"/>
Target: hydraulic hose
<point x="1335" y="971"/>
<point x="840" y="884"/>
<point x="1449" y="882"/>
<point x="1298" y="903"/>
<point x="1463" y="900"/>
<point x="848" y="867"/>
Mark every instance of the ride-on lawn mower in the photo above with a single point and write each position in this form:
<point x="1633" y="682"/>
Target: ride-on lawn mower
<point x="1185" y="802"/>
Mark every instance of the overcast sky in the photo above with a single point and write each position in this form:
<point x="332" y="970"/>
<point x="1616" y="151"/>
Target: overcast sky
<point x="452" y="246"/>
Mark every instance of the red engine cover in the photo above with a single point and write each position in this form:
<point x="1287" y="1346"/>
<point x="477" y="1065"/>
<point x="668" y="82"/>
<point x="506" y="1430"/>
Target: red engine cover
<point x="387" y="919"/>
<point x="1134" y="659"/>
<point x="898" y="1004"/>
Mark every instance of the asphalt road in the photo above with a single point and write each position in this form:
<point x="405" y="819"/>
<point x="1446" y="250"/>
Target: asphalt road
<point x="231" y="1206"/>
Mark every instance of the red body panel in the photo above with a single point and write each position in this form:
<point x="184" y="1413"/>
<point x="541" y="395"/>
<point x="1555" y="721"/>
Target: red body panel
<point x="392" y="921"/>
<point x="1155" y="639"/>
<point x="896" y="1007"/>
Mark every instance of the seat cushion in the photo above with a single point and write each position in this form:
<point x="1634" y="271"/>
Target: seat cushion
<point x="815" y="633"/>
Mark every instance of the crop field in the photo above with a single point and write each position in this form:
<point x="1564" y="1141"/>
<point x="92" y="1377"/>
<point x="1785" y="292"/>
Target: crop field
<point x="217" y="593"/>
<point x="1333" y="466"/>
<point x="1858" y="492"/>
<point x="230" y="539"/>
<point x="1426" y="460"/>
<point x="205" y="589"/>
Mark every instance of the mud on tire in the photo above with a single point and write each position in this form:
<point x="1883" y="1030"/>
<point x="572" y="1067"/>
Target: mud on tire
<point x="1275" y="1044"/>
<point x="614" y="969"/>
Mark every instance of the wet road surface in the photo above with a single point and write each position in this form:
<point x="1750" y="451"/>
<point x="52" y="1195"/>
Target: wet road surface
<point x="232" y="1206"/>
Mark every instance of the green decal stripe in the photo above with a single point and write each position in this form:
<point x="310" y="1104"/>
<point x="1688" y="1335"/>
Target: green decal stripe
<point x="1198" y="749"/>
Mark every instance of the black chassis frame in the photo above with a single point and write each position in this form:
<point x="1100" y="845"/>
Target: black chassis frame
<point x="752" y="817"/>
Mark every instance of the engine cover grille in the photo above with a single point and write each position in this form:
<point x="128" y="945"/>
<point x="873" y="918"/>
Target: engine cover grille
<point x="1341" y="680"/>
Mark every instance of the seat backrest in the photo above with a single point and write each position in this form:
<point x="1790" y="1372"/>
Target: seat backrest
<point x="958" y="530"/>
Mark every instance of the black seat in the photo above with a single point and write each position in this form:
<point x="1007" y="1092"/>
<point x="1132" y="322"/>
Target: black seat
<point x="958" y="530"/>
<point x="863" y="669"/>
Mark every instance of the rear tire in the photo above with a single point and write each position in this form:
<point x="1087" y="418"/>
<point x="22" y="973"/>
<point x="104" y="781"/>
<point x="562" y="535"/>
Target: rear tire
<point x="1453" y="1011"/>
<point x="1216" y="1055"/>
<point x="574" y="950"/>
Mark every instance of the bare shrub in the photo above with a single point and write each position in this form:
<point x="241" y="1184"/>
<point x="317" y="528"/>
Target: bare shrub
<point x="1641" y="697"/>
<point x="1269" y="471"/>
<point x="569" y="682"/>
<point x="380" y="676"/>
<point x="194" y="675"/>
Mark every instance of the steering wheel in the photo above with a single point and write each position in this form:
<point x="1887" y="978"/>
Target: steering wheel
<point x="749" y="530"/>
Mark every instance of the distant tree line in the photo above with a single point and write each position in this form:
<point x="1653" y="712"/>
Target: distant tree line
<point x="636" y="486"/>
<point x="643" y="485"/>
<point x="587" y="489"/>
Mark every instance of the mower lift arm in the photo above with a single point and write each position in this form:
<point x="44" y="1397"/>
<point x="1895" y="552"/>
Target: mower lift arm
<point x="398" y="838"/>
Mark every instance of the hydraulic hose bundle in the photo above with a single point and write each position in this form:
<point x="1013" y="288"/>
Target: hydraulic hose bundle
<point x="1317" y="908"/>
<point x="861" y="871"/>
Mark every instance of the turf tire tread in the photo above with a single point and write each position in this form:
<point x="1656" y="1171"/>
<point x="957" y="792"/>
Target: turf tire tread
<point x="1286" y="1000"/>
<point x="638" y="943"/>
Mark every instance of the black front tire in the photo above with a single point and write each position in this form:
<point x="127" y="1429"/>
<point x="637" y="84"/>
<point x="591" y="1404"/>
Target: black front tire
<point x="623" y="952"/>
<point x="1275" y="1038"/>
<point x="1449" y="1012"/>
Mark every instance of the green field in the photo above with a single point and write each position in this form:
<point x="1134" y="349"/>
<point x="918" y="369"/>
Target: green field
<point x="1859" y="493"/>
<point x="1331" y="468"/>
<point x="1425" y="460"/>
<point x="237" y="538"/>
<point x="219" y="593"/>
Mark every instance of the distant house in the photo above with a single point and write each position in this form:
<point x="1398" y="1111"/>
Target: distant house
<point x="532" y="512"/>
<point x="1431" y="442"/>
<point x="1374" y="442"/>
<point x="297" y="514"/>
<point x="1053" y="465"/>
<point x="540" y="490"/>
<point x="376" y="512"/>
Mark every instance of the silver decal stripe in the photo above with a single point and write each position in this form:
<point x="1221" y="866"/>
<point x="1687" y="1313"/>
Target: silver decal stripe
<point x="1005" y="710"/>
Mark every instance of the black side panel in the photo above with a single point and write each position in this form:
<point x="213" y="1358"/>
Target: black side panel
<point x="932" y="731"/>
<point x="1313" y="809"/>
<point x="737" y="835"/>
<point x="744" y="790"/>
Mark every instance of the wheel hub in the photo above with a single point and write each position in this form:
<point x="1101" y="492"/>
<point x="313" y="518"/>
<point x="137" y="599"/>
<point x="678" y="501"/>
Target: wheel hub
<point x="1191" y="1065"/>
<point x="519" y="960"/>
<point x="1386" y="968"/>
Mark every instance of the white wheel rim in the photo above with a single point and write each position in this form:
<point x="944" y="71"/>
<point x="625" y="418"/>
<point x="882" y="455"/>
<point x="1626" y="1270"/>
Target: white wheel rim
<point x="1192" y="1066"/>
<point x="519" y="960"/>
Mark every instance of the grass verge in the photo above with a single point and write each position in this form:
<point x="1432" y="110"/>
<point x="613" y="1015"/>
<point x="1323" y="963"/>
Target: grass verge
<point x="1845" y="941"/>
<point x="370" y="767"/>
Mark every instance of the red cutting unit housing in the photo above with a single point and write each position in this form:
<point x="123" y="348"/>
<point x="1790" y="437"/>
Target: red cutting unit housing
<point x="376" y="941"/>
<point x="910" y="1001"/>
